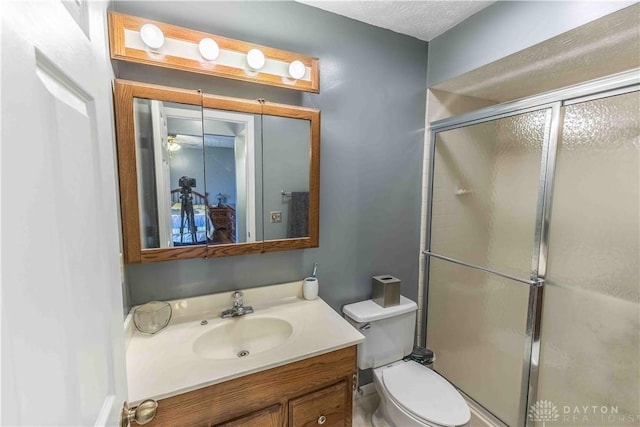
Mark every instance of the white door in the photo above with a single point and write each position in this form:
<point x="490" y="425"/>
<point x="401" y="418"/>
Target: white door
<point x="62" y="339"/>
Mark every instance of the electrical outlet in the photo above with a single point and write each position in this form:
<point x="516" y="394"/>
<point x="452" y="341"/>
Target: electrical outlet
<point x="276" y="217"/>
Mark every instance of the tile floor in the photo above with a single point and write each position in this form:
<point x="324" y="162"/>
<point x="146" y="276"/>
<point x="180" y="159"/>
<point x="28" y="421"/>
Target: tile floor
<point x="364" y="406"/>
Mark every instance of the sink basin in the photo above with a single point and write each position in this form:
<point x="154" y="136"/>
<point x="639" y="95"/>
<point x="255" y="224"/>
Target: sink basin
<point x="242" y="337"/>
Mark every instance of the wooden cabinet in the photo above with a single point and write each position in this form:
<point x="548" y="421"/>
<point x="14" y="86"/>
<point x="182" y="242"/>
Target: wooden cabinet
<point x="313" y="391"/>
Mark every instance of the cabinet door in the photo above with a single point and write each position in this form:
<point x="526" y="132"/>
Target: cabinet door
<point x="326" y="407"/>
<point x="267" y="417"/>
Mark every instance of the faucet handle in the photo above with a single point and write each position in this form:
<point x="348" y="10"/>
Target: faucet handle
<point x="237" y="298"/>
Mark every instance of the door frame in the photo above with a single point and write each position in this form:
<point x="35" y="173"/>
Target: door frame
<point x="250" y="165"/>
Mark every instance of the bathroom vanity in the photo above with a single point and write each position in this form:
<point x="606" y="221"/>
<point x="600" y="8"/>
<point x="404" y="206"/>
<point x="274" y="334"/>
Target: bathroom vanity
<point x="291" y="362"/>
<point x="312" y="391"/>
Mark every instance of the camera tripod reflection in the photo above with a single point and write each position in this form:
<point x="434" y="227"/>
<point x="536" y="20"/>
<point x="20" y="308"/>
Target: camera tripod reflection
<point x="187" y="220"/>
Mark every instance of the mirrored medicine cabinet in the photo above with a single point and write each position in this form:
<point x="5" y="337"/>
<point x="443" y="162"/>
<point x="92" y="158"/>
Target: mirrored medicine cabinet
<point x="207" y="176"/>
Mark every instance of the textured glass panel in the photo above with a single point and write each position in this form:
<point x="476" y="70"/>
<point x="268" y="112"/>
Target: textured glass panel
<point x="591" y="307"/>
<point x="485" y="192"/>
<point x="595" y="226"/>
<point x="477" y="328"/>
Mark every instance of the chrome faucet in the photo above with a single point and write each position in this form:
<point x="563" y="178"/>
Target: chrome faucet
<point x="238" y="308"/>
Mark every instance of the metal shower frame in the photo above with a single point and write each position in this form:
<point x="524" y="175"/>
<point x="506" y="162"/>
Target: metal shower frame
<point x="552" y="101"/>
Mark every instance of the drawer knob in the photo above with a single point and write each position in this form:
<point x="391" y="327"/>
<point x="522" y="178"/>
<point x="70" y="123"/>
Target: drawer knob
<point x="322" y="419"/>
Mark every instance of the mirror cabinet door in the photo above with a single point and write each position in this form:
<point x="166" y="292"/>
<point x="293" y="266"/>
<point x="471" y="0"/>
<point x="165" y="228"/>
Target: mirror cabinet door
<point x="231" y="147"/>
<point x="285" y="177"/>
<point x="232" y="163"/>
<point x="171" y="193"/>
<point x="290" y="154"/>
<point x="157" y="129"/>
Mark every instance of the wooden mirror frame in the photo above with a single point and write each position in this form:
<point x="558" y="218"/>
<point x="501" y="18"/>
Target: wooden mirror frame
<point x="124" y="94"/>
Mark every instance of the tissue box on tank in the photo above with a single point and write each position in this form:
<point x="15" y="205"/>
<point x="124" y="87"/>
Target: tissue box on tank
<point x="386" y="290"/>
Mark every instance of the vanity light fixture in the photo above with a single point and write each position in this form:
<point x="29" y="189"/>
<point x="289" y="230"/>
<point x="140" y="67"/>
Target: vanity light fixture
<point x="255" y="59"/>
<point x="143" y="41"/>
<point x="208" y="49"/>
<point x="297" y="70"/>
<point x="152" y="36"/>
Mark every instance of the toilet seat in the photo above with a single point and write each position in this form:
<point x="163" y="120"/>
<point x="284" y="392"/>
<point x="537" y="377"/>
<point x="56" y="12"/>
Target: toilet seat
<point x="425" y="394"/>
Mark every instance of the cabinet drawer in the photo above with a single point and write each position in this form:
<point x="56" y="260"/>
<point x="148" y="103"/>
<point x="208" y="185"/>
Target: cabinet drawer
<point x="326" y="407"/>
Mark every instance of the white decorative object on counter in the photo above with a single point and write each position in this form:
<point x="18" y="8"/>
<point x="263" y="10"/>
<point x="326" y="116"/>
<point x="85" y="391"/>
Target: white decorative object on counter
<point x="152" y="317"/>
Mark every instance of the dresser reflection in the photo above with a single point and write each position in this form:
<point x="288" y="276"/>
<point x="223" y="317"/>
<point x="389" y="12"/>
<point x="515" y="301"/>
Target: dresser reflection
<point x="223" y="218"/>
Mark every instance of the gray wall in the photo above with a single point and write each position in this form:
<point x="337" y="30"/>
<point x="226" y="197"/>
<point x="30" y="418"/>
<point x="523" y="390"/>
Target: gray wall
<point x="507" y="27"/>
<point x="220" y="163"/>
<point x="220" y="170"/>
<point x="187" y="162"/>
<point x="372" y="100"/>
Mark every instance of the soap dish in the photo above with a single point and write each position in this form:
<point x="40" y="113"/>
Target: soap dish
<point x="152" y="317"/>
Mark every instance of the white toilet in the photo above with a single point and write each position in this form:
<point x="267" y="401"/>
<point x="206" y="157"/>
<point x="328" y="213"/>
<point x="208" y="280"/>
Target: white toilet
<point x="410" y="393"/>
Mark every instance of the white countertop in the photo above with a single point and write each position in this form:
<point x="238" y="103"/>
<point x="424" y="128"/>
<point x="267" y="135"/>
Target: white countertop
<point x="164" y="364"/>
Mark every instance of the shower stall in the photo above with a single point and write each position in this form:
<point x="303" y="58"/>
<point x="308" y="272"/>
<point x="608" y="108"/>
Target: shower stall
<point x="533" y="253"/>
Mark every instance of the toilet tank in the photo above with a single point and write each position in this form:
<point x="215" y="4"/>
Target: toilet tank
<point x="389" y="331"/>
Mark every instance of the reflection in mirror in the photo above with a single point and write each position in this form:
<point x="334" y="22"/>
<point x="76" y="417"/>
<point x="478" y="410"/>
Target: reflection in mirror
<point x="286" y="170"/>
<point x="230" y="175"/>
<point x="171" y="193"/>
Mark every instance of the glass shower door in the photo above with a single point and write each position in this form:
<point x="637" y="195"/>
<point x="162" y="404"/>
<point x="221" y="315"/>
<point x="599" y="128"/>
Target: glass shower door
<point x="486" y="196"/>
<point x="590" y="344"/>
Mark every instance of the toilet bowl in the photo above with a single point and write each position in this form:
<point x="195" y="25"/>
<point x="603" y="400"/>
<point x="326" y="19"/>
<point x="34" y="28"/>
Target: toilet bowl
<point x="410" y="394"/>
<point x="414" y="395"/>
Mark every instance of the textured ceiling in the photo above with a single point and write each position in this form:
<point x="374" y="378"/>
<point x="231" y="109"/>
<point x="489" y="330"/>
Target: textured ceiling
<point x="423" y="20"/>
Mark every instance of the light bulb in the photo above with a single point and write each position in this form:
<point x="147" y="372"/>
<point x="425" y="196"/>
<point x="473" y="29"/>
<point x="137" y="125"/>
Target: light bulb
<point x="297" y="70"/>
<point x="208" y="49"/>
<point x="152" y="36"/>
<point x="255" y="59"/>
<point x="173" y="144"/>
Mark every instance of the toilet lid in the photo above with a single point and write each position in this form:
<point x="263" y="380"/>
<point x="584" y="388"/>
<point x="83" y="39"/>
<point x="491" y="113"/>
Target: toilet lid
<point x="424" y="393"/>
